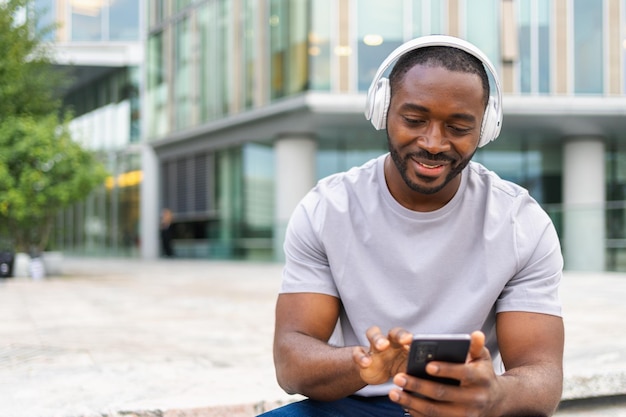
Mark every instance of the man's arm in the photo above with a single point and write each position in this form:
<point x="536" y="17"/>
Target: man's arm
<point x="305" y="362"/>
<point x="531" y="346"/>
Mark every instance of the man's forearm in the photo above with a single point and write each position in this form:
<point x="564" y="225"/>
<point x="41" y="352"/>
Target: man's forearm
<point x="310" y="367"/>
<point x="531" y="391"/>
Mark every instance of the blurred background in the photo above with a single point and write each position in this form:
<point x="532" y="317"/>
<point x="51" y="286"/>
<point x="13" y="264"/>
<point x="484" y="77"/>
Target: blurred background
<point x="226" y="112"/>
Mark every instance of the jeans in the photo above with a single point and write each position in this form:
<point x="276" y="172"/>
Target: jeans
<point x="345" y="407"/>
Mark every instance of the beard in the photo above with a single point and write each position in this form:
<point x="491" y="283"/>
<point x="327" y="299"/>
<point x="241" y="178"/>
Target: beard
<point x="401" y="163"/>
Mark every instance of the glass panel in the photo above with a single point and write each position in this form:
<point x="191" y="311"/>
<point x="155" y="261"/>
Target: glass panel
<point x="428" y="17"/>
<point x="258" y="201"/>
<point x="484" y="35"/>
<point x="207" y="67"/>
<point x="156" y="88"/>
<point x="543" y="35"/>
<point x="182" y="74"/>
<point x="380" y="31"/>
<point x="225" y="56"/>
<point x="86" y="20"/>
<point x="525" y="45"/>
<point x="319" y="45"/>
<point x="156" y="10"/>
<point x="588" y="47"/>
<point x="45" y="11"/>
<point x="297" y="58"/>
<point x="438" y="17"/>
<point x="288" y="45"/>
<point x="181" y="4"/>
<point x="250" y="56"/>
<point x="124" y="20"/>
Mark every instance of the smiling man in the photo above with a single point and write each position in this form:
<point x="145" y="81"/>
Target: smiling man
<point x="422" y="240"/>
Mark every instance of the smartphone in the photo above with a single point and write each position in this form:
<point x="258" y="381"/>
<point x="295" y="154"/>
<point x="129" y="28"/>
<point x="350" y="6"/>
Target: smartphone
<point x="437" y="347"/>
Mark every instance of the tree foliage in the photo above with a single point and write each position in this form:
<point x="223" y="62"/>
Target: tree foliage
<point x="28" y="82"/>
<point x="42" y="170"/>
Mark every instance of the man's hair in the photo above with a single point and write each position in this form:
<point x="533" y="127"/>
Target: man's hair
<point x="450" y="58"/>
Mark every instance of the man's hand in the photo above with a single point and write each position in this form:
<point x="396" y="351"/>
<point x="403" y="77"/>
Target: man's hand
<point x="387" y="355"/>
<point x="478" y="393"/>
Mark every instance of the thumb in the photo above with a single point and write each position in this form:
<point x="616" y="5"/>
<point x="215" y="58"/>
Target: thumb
<point x="477" y="346"/>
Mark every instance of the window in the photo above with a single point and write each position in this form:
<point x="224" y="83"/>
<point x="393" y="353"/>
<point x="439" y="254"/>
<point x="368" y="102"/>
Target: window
<point x="124" y="20"/>
<point x="588" y="47"/>
<point x="481" y="26"/>
<point x="207" y="67"/>
<point x="156" y="88"/>
<point x="428" y="17"/>
<point x="87" y="21"/>
<point x="380" y="30"/>
<point x="288" y="45"/>
<point x="319" y="45"/>
<point x="183" y="74"/>
<point x="534" y="46"/>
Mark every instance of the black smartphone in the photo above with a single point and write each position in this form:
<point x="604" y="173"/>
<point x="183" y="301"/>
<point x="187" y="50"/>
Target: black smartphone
<point x="437" y="347"/>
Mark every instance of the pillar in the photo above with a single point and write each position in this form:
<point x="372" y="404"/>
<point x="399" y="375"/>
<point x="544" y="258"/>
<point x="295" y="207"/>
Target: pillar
<point x="149" y="204"/>
<point x="295" y="175"/>
<point x="583" y="204"/>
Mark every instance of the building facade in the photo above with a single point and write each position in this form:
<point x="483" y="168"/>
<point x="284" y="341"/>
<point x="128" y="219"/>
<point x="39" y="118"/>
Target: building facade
<point x="98" y="44"/>
<point x="248" y="102"/>
<point x="245" y="104"/>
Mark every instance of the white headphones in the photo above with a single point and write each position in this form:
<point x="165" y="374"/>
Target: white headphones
<point x="379" y="93"/>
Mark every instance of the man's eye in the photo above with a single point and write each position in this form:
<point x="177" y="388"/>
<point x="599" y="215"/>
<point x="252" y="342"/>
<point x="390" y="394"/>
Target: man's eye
<point x="460" y="130"/>
<point x="413" y="121"/>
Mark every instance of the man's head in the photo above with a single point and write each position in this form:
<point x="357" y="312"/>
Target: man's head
<point x="378" y="96"/>
<point x="438" y="98"/>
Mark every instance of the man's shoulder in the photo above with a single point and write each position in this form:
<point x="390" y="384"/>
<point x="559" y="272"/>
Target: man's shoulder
<point x="354" y="177"/>
<point x="492" y="182"/>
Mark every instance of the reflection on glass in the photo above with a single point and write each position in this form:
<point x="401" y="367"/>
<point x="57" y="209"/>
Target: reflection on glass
<point x="384" y="23"/>
<point x="124" y="20"/>
<point x="87" y="20"/>
<point x="588" y="47"/>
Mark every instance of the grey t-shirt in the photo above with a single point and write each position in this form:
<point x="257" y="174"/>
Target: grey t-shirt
<point x="491" y="249"/>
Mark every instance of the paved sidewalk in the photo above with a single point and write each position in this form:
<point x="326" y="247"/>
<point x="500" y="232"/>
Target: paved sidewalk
<point x="183" y="338"/>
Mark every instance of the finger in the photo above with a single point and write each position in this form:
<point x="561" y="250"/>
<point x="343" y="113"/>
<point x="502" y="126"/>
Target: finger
<point x="377" y="339"/>
<point x="477" y="346"/>
<point x="361" y="357"/>
<point x="428" y="389"/>
<point x="400" y="336"/>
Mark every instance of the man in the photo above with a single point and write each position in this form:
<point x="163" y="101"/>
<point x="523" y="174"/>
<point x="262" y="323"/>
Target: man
<point x="422" y="240"/>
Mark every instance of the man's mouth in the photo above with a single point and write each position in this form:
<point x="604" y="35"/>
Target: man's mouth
<point x="429" y="166"/>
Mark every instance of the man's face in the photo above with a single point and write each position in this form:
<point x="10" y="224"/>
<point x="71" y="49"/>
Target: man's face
<point x="433" y="128"/>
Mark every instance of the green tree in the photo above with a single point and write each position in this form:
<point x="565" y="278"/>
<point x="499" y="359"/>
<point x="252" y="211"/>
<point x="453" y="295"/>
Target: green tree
<point x="42" y="170"/>
<point x="29" y="84"/>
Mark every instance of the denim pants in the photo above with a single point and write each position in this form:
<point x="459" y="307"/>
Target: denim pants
<point x="346" y="407"/>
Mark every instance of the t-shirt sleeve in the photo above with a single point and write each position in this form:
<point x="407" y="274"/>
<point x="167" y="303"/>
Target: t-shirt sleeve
<point x="306" y="264"/>
<point x="534" y="288"/>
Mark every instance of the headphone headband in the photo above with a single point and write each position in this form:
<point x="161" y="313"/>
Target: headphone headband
<point x="377" y="114"/>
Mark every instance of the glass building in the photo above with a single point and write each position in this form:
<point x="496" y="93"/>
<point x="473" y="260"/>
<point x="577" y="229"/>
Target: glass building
<point x="248" y="102"/>
<point x="98" y="43"/>
<point x="245" y="104"/>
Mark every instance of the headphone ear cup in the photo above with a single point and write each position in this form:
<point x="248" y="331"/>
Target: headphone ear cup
<point x="492" y="121"/>
<point x="380" y="104"/>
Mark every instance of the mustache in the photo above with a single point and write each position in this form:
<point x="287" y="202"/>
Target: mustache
<point x="439" y="157"/>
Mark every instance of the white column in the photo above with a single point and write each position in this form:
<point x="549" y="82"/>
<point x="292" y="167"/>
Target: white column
<point x="294" y="177"/>
<point x="583" y="201"/>
<point x="149" y="204"/>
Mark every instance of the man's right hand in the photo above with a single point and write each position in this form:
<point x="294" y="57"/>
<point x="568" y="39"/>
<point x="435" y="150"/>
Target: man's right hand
<point x="386" y="356"/>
